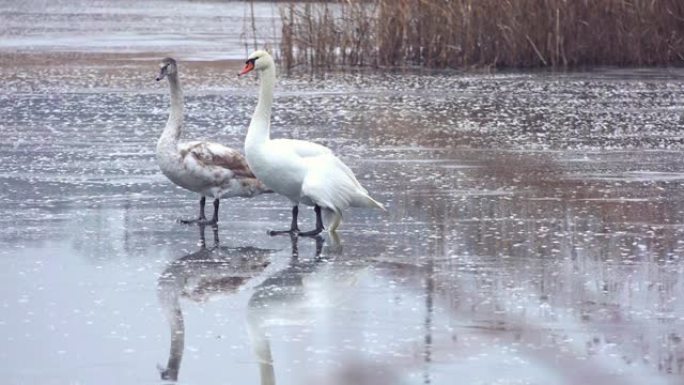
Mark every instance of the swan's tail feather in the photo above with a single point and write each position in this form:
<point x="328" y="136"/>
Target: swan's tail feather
<point x="362" y="199"/>
<point x="331" y="219"/>
<point x="373" y="203"/>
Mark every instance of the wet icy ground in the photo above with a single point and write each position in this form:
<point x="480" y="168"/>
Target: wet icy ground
<point x="534" y="234"/>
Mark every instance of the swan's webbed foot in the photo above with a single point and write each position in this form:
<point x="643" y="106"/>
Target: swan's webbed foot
<point x="192" y="221"/>
<point x="199" y="221"/>
<point x="319" y="225"/>
<point x="294" y="232"/>
<point x="202" y="220"/>
<point x="294" y="229"/>
<point x="311" y="233"/>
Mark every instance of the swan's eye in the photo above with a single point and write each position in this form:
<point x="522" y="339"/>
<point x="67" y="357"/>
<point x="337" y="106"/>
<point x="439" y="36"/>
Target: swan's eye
<point x="250" y="61"/>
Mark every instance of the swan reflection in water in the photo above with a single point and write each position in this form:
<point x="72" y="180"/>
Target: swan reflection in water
<point x="297" y="296"/>
<point x="291" y="296"/>
<point x="208" y="272"/>
<point x="277" y="299"/>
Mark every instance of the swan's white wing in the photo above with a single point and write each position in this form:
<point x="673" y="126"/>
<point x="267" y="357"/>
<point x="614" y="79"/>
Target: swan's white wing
<point x="213" y="158"/>
<point x="350" y="174"/>
<point x="327" y="188"/>
<point x="331" y="184"/>
<point x="302" y="148"/>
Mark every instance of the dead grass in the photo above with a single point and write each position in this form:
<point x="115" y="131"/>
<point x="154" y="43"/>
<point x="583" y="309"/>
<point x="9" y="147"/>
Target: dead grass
<point x="483" y="33"/>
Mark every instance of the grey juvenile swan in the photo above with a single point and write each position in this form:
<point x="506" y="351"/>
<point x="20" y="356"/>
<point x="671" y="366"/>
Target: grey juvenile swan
<point x="207" y="168"/>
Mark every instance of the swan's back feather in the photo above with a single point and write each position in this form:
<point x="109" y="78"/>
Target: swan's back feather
<point x="213" y="154"/>
<point x="302" y="148"/>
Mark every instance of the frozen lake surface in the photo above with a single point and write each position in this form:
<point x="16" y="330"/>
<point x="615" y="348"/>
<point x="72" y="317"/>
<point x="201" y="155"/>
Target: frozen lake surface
<point x="534" y="233"/>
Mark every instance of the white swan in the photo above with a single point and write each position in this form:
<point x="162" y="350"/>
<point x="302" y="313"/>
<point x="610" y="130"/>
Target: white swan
<point x="304" y="172"/>
<point x="209" y="169"/>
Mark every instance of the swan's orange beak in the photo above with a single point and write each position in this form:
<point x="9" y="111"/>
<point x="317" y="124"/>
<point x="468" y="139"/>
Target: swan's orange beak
<point x="249" y="66"/>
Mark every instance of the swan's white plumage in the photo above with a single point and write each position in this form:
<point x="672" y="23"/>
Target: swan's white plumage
<point x="302" y="148"/>
<point x="302" y="171"/>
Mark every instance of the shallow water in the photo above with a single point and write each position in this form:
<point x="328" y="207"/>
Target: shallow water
<point x="534" y="232"/>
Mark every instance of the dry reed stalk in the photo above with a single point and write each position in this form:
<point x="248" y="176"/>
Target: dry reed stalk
<point x="500" y="33"/>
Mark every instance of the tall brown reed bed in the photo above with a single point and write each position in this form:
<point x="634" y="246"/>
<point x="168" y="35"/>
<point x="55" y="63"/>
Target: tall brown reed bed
<point x="499" y="33"/>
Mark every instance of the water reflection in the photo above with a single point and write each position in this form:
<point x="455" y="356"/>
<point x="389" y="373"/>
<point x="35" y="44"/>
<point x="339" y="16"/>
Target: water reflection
<point x="281" y="300"/>
<point x="536" y="325"/>
<point x="208" y="272"/>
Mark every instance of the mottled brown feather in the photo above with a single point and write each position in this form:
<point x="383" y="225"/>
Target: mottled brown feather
<point x="233" y="161"/>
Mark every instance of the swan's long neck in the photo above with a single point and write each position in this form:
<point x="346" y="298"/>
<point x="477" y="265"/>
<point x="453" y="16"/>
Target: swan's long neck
<point x="259" y="127"/>
<point x="172" y="131"/>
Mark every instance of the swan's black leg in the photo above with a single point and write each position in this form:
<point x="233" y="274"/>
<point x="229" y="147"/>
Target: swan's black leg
<point x="319" y="224"/>
<point x="201" y="218"/>
<point x="203" y="202"/>
<point x="214" y="219"/>
<point x="294" y="229"/>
